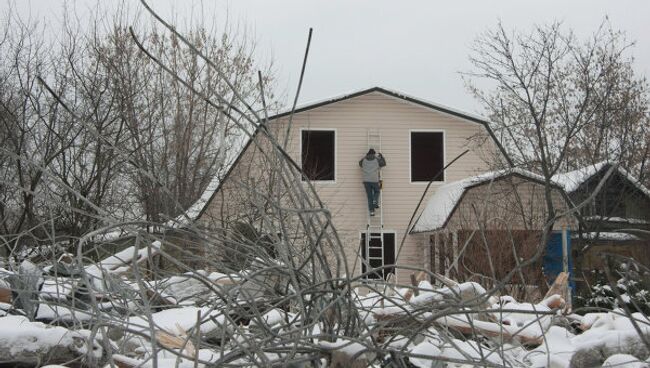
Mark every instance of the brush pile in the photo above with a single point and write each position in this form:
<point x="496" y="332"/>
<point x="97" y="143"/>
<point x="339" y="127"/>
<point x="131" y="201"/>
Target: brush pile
<point x="113" y="312"/>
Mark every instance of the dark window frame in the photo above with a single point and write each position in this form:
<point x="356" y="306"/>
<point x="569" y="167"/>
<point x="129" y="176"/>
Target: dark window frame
<point x="334" y="154"/>
<point x="443" y="150"/>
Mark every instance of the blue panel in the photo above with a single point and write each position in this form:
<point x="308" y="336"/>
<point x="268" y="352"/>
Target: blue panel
<point x="552" y="262"/>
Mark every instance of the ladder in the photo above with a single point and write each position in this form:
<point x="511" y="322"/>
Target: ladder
<point x="375" y="224"/>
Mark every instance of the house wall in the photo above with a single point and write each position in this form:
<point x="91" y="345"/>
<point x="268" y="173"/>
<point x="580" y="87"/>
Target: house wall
<point x="352" y="119"/>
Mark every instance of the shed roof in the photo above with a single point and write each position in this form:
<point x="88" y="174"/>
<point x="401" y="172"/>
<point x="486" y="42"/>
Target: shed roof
<point x="444" y="201"/>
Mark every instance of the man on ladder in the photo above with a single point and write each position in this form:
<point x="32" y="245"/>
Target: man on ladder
<point x="370" y="165"/>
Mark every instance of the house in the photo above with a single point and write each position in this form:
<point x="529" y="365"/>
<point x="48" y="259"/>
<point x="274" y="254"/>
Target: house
<point x="616" y="220"/>
<point x="480" y="227"/>
<point x="327" y="138"/>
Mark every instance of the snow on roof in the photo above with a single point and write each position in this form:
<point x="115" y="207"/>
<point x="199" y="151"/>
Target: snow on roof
<point x="195" y="209"/>
<point x="624" y="220"/>
<point x="573" y="179"/>
<point x="609" y="236"/>
<point x="444" y="200"/>
<point x="192" y="213"/>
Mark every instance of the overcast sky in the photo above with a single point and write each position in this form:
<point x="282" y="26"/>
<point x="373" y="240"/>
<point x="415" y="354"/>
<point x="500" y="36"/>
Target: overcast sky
<point x="416" y="47"/>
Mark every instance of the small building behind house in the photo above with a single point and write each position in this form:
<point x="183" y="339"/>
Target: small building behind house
<point x="615" y="221"/>
<point x="483" y="227"/>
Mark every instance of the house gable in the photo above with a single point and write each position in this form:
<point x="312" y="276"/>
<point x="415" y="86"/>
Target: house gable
<point x="622" y="196"/>
<point x="393" y="105"/>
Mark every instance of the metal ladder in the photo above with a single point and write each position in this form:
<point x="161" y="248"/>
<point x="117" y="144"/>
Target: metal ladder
<point x="375" y="224"/>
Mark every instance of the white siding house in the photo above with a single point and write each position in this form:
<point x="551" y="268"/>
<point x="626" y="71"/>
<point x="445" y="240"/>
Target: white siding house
<point x="409" y="128"/>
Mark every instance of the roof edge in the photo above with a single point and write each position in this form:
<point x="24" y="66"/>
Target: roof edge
<point x="498" y="176"/>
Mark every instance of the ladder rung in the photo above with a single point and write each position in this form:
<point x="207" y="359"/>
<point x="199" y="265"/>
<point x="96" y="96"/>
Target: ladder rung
<point x="375" y="226"/>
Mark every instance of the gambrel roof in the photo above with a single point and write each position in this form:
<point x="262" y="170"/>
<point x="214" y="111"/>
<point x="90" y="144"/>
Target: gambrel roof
<point x="445" y="200"/>
<point x="198" y="208"/>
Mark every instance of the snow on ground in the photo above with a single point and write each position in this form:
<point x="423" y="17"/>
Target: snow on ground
<point x="120" y="262"/>
<point x="18" y="335"/>
<point x="194" y="286"/>
<point x="47" y="312"/>
<point x="4" y="307"/>
<point x="171" y="319"/>
<point x="460" y="325"/>
<point x="58" y="288"/>
<point x="624" y="360"/>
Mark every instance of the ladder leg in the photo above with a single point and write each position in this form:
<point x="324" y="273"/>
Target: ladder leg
<point x="375" y="224"/>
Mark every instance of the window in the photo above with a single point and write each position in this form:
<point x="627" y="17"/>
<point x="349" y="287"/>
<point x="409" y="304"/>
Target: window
<point x="318" y="154"/>
<point x="376" y="256"/>
<point x="427" y="156"/>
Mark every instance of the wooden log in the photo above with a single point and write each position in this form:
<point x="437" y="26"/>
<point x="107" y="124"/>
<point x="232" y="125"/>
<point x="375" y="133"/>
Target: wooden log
<point x="5" y="295"/>
<point x="554" y="301"/>
<point x="181" y="341"/>
<point x="504" y="333"/>
<point x="159" y="299"/>
<point x="341" y="359"/>
<point x="445" y="280"/>
<point x="122" y="361"/>
<point x="415" y="281"/>
<point x="559" y="286"/>
<point x="34" y="344"/>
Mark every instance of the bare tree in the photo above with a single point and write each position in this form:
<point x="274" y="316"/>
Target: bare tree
<point x="174" y="135"/>
<point x="38" y="132"/>
<point x="93" y="130"/>
<point x="558" y="102"/>
<point x="295" y="304"/>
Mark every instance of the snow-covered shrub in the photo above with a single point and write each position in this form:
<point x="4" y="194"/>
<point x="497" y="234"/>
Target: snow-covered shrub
<point x="246" y="243"/>
<point x="631" y="290"/>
